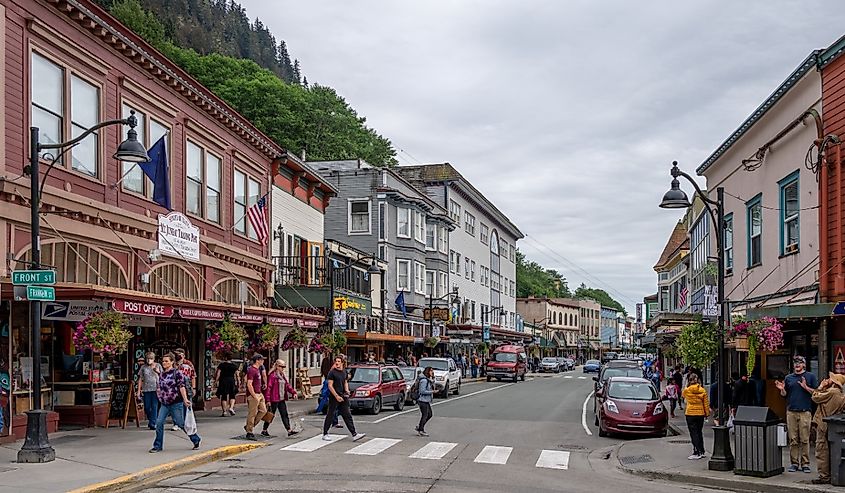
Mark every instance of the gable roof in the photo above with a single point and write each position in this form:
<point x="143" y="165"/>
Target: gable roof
<point x="677" y="241"/>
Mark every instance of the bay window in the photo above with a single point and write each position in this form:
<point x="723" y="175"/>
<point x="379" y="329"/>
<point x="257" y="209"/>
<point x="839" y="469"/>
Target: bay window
<point x="403" y="275"/>
<point x="403" y="222"/>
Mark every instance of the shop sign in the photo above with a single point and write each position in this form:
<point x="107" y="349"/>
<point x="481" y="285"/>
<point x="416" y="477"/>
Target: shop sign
<point x="711" y="302"/>
<point x="201" y="314"/>
<point x="461" y="332"/>
<point x="140" y="308"/>
<point x="247" y="318"/>
<point x="439" y="313"/>
<point x="71" y="311"/>
<point x="280" y="321"/>
<point x="101" y="396"/>
<point x="177" y="237"/>
<point x="310" y="324"/>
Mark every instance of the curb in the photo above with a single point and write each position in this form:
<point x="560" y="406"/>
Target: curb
<point x="146" y="477"/>
<point x="719" y="483"/>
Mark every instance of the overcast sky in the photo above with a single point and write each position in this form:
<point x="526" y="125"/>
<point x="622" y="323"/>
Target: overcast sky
<point x="565" y="114"/>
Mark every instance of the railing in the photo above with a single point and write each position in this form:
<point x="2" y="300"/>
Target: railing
<point x="305" y="270"/>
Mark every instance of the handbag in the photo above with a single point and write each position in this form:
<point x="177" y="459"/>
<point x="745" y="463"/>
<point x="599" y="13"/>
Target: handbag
<point x="268" y="417"/>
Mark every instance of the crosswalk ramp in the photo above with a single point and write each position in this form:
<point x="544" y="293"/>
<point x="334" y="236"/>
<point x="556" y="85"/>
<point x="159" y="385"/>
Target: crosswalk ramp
<point x="432" y="451"/>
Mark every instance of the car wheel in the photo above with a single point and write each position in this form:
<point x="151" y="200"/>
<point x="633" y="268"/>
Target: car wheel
<point x="602" y="433"/>
<point x="458" y="388"/>
<point x="376" y="405"/>
<point x="400" y="403"/>
<point x="489" y="378"/>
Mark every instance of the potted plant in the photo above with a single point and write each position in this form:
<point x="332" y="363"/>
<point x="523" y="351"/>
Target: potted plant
<point x="697" y="344"/>
<point x="267" y="336"/>
<point x="295" y="339"/>
<point x="102" y="332"/>
<point x="765" y="334"/>
<point x="226" y="337"/>
<point x="431" y="342"/>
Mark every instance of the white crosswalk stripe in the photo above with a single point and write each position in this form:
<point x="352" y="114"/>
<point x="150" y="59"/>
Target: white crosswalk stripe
<point x="568" y="376"/>
<point x="433" y="450"/>
<point x="374" y="446"/>
<point x="553" y="459"/>
<point x="492" y="454"/>
<point x="582" y="378"/>
<point x="313" y="443"/>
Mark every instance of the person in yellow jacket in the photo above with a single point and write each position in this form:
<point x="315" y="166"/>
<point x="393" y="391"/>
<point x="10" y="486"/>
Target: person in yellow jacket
<point x="698" y="408"/>
<point x="830" y="400"/>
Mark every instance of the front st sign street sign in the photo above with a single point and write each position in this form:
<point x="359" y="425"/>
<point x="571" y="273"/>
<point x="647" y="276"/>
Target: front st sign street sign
<point x="27" y="277"/>
<point x="40" y="293"/>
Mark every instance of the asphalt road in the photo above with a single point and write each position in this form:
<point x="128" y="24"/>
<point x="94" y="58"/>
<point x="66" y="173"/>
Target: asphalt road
<point x="503" y="437"/>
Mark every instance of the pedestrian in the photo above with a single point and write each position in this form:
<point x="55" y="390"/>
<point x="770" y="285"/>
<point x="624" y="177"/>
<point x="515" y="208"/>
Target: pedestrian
<point x="720" y="415"/>
<point x="254" y="399"/>
<point x="473" y="365"/>
<point x="173" y="399"/>
<point x="339" y="400"/>
<point x="226" y="381"/>
<point x="425" y="383"/>
<point x="148" y="375"/>
<point x="798" y="388"/>
<point x="696" y="413"/>
<point x="672" y="392"/>
<point x="830" y="400"/>
<point x="184" y="365"/>
<point x="278" y="390"/>
<point x="678" y="379"/>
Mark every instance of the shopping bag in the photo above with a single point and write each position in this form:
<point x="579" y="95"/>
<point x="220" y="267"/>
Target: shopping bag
<point x="190" y="422"/>
<point x="268" y="417"/>
<point x="731" y="421"/>
<point x="782" y="436"/>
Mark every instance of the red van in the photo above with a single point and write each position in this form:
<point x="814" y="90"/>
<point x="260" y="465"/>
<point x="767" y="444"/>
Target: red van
<point x="507" y="361"/>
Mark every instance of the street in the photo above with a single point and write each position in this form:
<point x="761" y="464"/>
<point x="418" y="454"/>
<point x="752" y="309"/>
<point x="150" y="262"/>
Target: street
<point x="497" y="436"/>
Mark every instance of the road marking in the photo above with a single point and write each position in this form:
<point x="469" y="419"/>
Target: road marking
<point x="584" y="415"/>
<point x="553" y="459"/>
<point x="492" y="454"/>
<point x="582" y="378"/>
<point x="453" y="399"/>
<point x="313" y="443"/>
<point x="568" y="376"/>
<point x="433" y="450"/>
<point x="374" y="446"/>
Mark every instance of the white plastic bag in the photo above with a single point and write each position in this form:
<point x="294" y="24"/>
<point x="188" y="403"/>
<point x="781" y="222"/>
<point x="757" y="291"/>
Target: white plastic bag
<point x="782" y="436"/>
<point x="190" y="422"/>
<point x="731" y="422"/>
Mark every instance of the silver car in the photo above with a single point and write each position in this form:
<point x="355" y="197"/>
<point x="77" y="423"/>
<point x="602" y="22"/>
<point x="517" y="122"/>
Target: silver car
<point x="549" y="364"/>
<point x="411" y="373"/>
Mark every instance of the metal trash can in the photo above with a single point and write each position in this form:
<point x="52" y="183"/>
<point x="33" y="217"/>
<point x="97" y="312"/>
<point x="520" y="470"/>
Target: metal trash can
<point x="836" y="442"/>
<point x="756" y="442"/>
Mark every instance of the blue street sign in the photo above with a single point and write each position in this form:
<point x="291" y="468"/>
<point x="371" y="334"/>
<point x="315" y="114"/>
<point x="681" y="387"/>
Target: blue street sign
<point x="839" y="309"/>
<point x="485" y="334"/>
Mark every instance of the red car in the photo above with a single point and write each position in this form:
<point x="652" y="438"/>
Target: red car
<point x="630" y="405"/>
<point x="374" y="386"/>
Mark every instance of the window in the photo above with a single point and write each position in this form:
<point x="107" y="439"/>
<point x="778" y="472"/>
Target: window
<point x="202" y="170"/>
<point x="789" y="214"/>
<point x="419" y="226"/>
<point x="150" y="132"/>
<point x="472" y="309"/>
<point x="485" y="275"/>
<point x="513" y="288"/>
<point x="382" y="220"/>
<point x="505" y="285"/>
<point x="442" y="283"/>
<point x="443" y="238"/>
<point x="754" y="211"/>
<point x="431" y="236"/>
<point x="84" y="114"/>
<point x="419" y="278"/>
<point x="454" y="262"/>
<point x="212" y="189"/>
<point x="729" y="244"/>
<point x="430" y="286"/>
<point x="403" y="273"/>
<point x="46" y="88"/>
<point x="382" y="252"/>
<point x="512" y="253"/>
<point x="246" y="194"/>
<point x="485" y="234"/>
<point x="359" y="216"/>
<point x="472" y="271"/>
<point x="403" y="222"/>
<point x="455" y="211"/>
<point x="469" y="223"/>
<point x="466" y="267"/>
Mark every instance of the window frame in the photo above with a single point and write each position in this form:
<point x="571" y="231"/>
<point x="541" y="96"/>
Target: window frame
<point x="203" y="196"/>
<point x="249" y="230"/>
<point x="443" y="239"/>
<point x="404" y="211"/>
<point x="146" y="124"/>
<point x="358" y="200"/>
<point x="455" y="211"/>
<point x="727" y="246"/>
<point x="432" y="227"/>
<point x="419" y="226"/>
<point x="484" y="234"/>
<point x="419" y="278"/>
<point x="442" y="283"/>
<point x="783" y="184"/>
<point x="399" y="287"/>
<point x="383" y="217"/>
<point x="754" y="202"/>
<point x="469" y="223"/>
<point x="433" y="291"/>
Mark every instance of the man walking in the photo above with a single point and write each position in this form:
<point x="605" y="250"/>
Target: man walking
<point x="830" y="400"/>
<point x="339" y="400"/>
<point x="798" y="387"/>
<point x="254" y="399"/>
<point x="174" y="400"/>
<point x="148" y="375"/>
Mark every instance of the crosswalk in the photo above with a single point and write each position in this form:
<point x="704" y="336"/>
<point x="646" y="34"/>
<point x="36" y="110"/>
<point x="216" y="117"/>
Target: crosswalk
<point x="570" y="376"/>
<point x="490" y="454"/>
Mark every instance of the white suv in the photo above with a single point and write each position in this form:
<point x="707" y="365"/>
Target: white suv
<point x="447" y="377"/>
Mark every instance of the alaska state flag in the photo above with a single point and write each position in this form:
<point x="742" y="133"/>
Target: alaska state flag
<point x="400" y="304"/>
<point x="158" y="171"/>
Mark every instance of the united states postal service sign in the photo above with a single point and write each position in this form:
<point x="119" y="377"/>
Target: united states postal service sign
<point x="177" y="237"/>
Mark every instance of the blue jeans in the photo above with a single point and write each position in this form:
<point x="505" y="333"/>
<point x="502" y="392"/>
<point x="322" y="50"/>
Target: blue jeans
<point x="177" y="412"/>
<point x="151" y="408"/>
<point x="474" y="371"/>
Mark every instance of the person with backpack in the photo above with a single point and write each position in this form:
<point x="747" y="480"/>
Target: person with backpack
<point x="422" y="391"/>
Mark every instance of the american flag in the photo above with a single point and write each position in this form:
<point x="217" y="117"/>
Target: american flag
<point x="258" y="219"/>
<point x="682" y="297"/>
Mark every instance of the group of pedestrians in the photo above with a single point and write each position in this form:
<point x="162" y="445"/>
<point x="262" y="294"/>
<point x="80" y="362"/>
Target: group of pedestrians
<point x="267" y="394"/>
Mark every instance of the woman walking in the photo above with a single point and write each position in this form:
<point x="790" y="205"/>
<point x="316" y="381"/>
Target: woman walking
<point x="227" y="385"/>
<point x="278" y="389"/>
<point x="426" y="390"/>
<point x="148" y="374"/>
<point x="696" y="413"/>
<point x="174" y="400"/>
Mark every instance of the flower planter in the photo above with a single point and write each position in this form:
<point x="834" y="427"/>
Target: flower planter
<point x="741" y="343"/>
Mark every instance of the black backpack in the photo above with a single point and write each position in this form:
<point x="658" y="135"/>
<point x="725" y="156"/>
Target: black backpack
<point x="415" y="389"/>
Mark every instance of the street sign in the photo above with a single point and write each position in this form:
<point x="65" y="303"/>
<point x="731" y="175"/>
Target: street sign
<point x="40" y="293"/>
<point x="485" y="334"/>
<point x="439" y="313"/>
<point x="26" y="277"/>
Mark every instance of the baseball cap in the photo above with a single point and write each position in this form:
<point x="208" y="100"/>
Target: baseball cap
<point x="799" y="359"/>
<point x="257" y="357"/>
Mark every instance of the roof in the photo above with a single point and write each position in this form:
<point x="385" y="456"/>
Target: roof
<point x="677" y="240"/>
<point x="444" y="173"/>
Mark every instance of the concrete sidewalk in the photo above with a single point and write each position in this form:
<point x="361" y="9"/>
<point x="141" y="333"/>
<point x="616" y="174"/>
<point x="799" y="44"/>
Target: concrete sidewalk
<point x="93" y="455"/>
<point x="666" y="459"/>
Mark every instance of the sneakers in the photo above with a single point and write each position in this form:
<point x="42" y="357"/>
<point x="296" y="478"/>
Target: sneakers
<point x="806" y="469"/>
<point x="223" y="415"/>
<point x="358" y="436"/>
<point x="338" y="425"/>
<point x="695" y="457"/>
<point x="292" y="433"/>
<point x="175" y="428"/>
<point x="231" y="412"/>
<point x="250" y="436"/>
<point x="197" y="445"/>
<point x="265" y="433"/>
<point x="327" y="438"/>
<point x="155" y="450"/>
<point x="422" y="433"/>
<point x="792" y="468"/>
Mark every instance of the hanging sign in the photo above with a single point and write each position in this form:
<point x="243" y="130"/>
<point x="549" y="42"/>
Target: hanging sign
<point x="140" y="308"/>
<point x="284" y="321"/>
<point x="201" y="314"/>
<point x="177" y="237"/>
<point x="247" y="318"/>
<point x="310" y="324"/>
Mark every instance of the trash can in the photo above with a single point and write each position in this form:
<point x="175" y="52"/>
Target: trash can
<point x="756" y="442"/>
<point x="836" y="442"/>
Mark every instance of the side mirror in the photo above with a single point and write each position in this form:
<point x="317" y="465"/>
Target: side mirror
<point x="595" y="379"/>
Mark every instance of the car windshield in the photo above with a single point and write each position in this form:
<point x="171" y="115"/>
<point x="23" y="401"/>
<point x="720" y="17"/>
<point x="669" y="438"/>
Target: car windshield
<point x="437" y="364"/>
<point x="592" y="362"/>
<point x="621" y="372"/>
<point x="549" y="360"/>
<point x="632" y="391"/>
<point x="506" y="357"/>
<point x="363" y="375"/>
<point x="409" y="373"/>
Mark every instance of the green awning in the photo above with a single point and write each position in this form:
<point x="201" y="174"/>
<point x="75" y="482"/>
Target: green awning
<point x="816" y="310"/>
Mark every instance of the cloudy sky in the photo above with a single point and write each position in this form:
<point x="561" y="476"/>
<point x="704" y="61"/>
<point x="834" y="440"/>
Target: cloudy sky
<point x="566" y="114"/>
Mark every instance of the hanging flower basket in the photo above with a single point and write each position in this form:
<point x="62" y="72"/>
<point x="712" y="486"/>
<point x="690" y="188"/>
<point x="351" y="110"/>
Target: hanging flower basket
<point x="267" y="336"/>
<point x="295" y="339"/>
<point x="741" y="343"/>
<point x="334" y="341"/>
<point x="431" y="342"/>
<point x="315" y="346"/>
<point x="102" y="332"/>
<point x="227" y="337"/>
<point x="764" y="334"/>
<point x="697" y="344"/>
<point x="483" y="347"/>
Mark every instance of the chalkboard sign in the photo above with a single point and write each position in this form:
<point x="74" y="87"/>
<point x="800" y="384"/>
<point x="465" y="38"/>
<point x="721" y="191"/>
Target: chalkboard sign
<point x="122" y="405"/>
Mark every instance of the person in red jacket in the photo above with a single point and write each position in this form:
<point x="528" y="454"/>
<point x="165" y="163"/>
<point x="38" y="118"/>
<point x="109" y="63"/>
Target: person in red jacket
<point x="276" y="393"/>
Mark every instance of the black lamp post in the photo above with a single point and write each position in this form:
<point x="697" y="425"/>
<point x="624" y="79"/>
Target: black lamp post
<point x="432" y="299"/>
<point x="722" y="458"/>
<point x="36" y="447"/>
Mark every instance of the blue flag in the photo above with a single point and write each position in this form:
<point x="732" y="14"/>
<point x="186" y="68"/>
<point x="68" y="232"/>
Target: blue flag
<point x="400" y="304"/>
<point x="158" y="171"/>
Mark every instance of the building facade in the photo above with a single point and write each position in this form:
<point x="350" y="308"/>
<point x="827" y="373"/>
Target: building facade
<point x="589" y="324"/>
<point x="608" y="327"/>
<point x="555" y="319"/>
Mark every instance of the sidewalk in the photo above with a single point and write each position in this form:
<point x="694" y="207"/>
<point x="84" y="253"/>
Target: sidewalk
<point x="92" y="455"/>
<point x="666" y="459"/>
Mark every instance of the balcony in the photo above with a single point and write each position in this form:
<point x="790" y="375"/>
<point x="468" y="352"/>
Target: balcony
<point x="303" y="282"/>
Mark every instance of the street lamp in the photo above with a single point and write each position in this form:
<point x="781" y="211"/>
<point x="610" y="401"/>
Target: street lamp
<point x="432" y="299"/>
<point x="36" y="447"/>
<point x="722" y="458"/>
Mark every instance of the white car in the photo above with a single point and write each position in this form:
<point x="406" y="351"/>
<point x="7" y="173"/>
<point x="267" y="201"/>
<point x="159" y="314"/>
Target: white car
<point x="447" y="377"/>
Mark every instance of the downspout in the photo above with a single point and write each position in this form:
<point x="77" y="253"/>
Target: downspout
<point x="824" y="234"/>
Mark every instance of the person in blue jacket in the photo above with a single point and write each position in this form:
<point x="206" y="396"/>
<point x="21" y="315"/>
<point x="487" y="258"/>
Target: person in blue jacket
<point x="426" y="386"/>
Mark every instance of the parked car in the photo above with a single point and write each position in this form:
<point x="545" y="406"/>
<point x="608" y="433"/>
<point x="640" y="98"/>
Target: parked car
<point x="508" y="361"/>
<point x="608" y="356"/>
<point x="374" y="386"/>
<point x="566" y="364"/>
<point x="622" y="363"/>
<point x="616" y="370"/>
<point x="591" y="366"/>
<point x="410" y="373"/>
<point x="631" y="406"/>
<point x="447" y="377"/>
<point x="550" y="365"/>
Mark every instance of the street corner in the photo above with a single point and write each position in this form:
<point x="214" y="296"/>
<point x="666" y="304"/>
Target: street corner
<point x="155" y="474"/>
